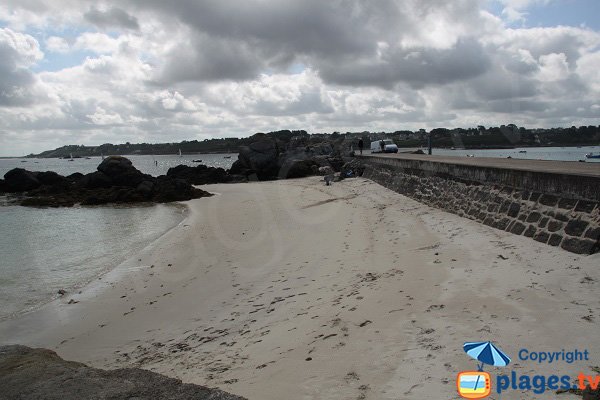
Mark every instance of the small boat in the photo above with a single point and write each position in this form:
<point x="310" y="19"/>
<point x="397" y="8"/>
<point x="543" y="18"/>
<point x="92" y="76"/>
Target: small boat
<point x="180" y="153"/>
<point x="470" y="155"/>
<point x="522" y="151"/>
<point x="592" y="155"/>
<point x="23" y="160"/>
<point x="226" y="156"/>
<point x="71" y="158"/>
<point x="88" y="158"/>
<point x="196" y="160"/>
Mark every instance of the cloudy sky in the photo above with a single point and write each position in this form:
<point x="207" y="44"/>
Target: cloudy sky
<point x="91" y="72"/>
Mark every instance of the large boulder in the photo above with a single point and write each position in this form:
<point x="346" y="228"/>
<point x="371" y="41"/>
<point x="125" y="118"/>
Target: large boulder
<point x="115" y="165"/>
<point x="27" y="373"/>
<point x="167" y="189"/>
<point x="260" y="158"/>
<point x="95" y="180"/>
<point x="266" y="159"/>
<point x="322" y="149"/>
<point x="20" y="180"/>
<point x="74" y="177"/>
<point x="121" y="171"/>
<point x="200" y="174"/>
<point x="298" y="169"/>
<point x="50" y="178"/>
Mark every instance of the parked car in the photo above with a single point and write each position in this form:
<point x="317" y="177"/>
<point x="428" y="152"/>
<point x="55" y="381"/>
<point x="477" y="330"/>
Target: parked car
<point x="388" y="146"/>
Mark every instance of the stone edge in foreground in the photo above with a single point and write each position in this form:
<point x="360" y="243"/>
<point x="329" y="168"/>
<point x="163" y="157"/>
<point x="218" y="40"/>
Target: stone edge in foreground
<point x="27" y="373"/>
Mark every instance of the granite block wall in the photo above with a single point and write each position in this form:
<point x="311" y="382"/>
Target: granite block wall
<point x="555" y="209"/>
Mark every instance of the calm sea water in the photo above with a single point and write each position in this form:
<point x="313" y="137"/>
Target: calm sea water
<point x="146" y="164"/>
<point x="529" y="153"/>
<point x="44" y="250"/>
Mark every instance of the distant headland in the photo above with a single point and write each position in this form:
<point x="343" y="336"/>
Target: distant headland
<point x="480" y="137"/>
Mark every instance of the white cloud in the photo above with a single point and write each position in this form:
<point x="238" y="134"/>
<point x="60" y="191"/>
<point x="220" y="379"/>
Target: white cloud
<point x="588" y="70"/>
<point x="57" y="44"/>
<point x="104" y="117"/>
<point x="515" y="10"/>
<point x="553" y="67"/>
<point x="18" y="52"/>
<point x="26" y="49"/>
<point x="165" y="71"/>
<point x="99" y="43"/>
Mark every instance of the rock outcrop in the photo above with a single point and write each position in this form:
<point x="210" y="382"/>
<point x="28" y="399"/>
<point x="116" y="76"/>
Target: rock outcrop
<point x="27" y="373"/>
<point x="258" y="159"/>
<point x="267" y="159"/>
<point x="201" y="174"/>
<point x="116" y="181"/>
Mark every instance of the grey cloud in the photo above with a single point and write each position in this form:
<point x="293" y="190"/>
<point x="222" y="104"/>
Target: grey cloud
<point x="510" y="106"/>
<point x="311" y="26"/>
<point x="542" y="41"/>
<point x="16" y="82"/>
<point x="517" y="66"/>
<point x="207" y="59"/>
<point x="256" y="35"/>
<point x="113" y="17"/>
<point x="417" y="67"/>
<point x="340" y="38"/>
<point x="499" y="85"/>
<point x="309" y="102"/>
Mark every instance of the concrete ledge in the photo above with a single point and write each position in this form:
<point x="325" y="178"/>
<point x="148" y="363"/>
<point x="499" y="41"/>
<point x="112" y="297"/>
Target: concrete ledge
<point x="578" y="180"/>
<point x="558" y="206"/>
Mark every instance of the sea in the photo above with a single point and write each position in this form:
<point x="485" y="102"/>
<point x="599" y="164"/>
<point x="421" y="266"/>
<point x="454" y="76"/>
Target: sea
<point x="528" y="153"/>
<point x="44" y="250"/>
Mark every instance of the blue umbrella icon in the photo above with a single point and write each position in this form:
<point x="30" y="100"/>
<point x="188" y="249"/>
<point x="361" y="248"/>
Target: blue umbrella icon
<point x="487" y="353"/>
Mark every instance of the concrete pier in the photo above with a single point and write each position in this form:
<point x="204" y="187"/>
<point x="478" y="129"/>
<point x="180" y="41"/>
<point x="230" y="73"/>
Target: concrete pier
<point x="553" y="202"/>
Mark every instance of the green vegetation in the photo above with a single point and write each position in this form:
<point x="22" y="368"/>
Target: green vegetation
<point x="505" y="136"/>
<point x="225" y="145"/>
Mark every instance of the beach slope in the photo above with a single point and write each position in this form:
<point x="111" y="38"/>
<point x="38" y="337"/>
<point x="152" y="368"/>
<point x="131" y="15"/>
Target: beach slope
<point x="296" y="290"/>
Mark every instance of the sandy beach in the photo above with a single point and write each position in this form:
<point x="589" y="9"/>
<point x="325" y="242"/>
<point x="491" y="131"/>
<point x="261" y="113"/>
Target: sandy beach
<point x="296" y="290"/>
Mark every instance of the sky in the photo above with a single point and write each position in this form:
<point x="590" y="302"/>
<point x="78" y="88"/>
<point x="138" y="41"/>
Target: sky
<point x="93" y="72"/>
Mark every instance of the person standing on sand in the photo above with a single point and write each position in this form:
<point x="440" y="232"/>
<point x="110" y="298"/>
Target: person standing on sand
<point x="360" y="145"/>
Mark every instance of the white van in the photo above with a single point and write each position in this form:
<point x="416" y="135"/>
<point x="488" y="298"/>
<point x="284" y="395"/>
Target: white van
<point x="389" y="146"/>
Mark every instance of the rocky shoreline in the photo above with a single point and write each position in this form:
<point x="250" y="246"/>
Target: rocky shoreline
<point x="42" y="374"/>
<point x="116" y="181"/>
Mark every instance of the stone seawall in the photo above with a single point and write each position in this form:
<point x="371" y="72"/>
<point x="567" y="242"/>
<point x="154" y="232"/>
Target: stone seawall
<point x="559" y="209"/>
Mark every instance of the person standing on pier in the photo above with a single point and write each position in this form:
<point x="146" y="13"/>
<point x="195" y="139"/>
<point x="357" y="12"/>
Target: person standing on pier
<point x="360" y="145"/>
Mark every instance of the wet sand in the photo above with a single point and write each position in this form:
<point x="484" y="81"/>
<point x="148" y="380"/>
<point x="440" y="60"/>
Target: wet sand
<point x="297" y="290"/>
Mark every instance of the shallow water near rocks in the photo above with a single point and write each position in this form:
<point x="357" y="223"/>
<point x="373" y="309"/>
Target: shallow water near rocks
<point x="45" y="250"/>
